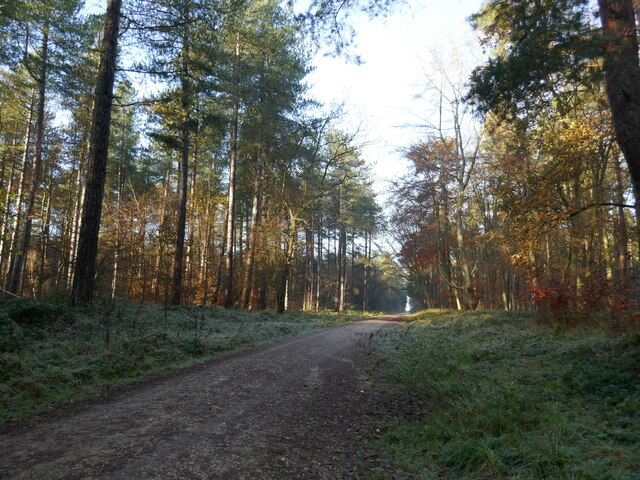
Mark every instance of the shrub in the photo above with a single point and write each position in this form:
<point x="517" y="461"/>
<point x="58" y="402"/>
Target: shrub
<point x="12" y="336"/>
<point x="38" y="314"/>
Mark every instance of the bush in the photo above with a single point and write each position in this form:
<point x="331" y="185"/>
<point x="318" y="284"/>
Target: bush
<point x="38" y="314"/>
<point x="12" y="336"/>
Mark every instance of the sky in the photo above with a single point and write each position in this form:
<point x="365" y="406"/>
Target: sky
<point x="380" y="95"/>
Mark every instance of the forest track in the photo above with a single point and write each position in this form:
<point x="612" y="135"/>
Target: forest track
<point x="295" y="409"/>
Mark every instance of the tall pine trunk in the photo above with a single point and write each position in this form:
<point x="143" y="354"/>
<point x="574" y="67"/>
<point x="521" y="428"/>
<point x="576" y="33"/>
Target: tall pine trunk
<point x="178" y="260"/>
<point x="204" y="251"/>
<point x="622" y="237"/>
<point x="155" y="282"/>
<point x="74" y="225"/>
<point x="217" y="279"/>
<point x="46" y="232"/>
<point x="247" y="284"/>
<point x="367" y="263"/>
<point x="231" y="195"/>
<point x="85" y="265"/>
<point x="342" y="267"/>
<point x="622" y="79"/>
<point x="5" y="219"/>
<point x="291" y="235"/>
<point x="318" y="288"/>
<point x="307" y="303"/>
<point x="230" y="219"/>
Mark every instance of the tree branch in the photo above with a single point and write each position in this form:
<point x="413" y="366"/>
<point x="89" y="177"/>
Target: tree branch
<point x="597" y="204"/>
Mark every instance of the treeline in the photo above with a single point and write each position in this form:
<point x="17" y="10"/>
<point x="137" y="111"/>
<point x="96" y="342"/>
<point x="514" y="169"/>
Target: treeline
<point x="225" y="184"/>
<point x="520" y="197"/>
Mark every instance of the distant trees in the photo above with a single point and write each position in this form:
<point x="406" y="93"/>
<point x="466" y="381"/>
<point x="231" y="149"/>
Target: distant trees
<point x="223" y="183"/>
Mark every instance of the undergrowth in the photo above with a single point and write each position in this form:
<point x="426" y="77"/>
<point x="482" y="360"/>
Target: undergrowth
<point x="493" y="395"/>
<point x="50" y="353"/>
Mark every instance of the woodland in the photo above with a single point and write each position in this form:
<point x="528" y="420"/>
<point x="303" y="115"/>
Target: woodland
<point x="170" y="192"/>
<point x="524" y="196"/>
<point x="167" y="151"/>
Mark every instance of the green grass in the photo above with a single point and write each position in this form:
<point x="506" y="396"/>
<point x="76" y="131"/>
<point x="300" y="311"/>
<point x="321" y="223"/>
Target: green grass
<point x="493" y="395"/>
<point x="50" y="353"/>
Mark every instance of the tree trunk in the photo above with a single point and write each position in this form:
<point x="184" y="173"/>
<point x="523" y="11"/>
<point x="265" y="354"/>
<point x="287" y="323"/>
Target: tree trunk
<point x="85" y="266"/>
<point x="22" y="185"/>
<point x="247" y="284"/>
<point x="204" y="252"/>
<point x="217" y="280"/>
<point x="143" y="263"/>
<point x="74" y="230"/>
<point x="367" y="262"/>
<point x="342" y="246"/>
<point x="116" y="252"/>
<point x="622" y="79"/>
<point x="178" y="259"/>
<point x="194" y="227"/>
<point x="21" y="246"/>
<point x="231" y="198"/>
<point x="307" y="303"/>
<point x="622" y="237"/>
<point x="467" y="287"/>
<point x="318" y="269"/>
<point x="155" y="283"/>
<point x="46" y="232"/>
<point x="5" y="219"/>
<point x="291" y="235"/>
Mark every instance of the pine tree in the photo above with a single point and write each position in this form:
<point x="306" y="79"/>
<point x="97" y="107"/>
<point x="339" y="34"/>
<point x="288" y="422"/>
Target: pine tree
<point x="85" y="265"/>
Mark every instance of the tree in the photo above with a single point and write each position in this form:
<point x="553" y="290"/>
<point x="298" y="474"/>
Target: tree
<point x="622" y="79"/>
<point x="124" y="150"/>
<point x="263" y="86"/>
<point x="546" y="51"/>
<point x="328" y="21"/>
<point x="85" y="265"/>
<point x="50" y="25"/>
<point x="173" y="32"/>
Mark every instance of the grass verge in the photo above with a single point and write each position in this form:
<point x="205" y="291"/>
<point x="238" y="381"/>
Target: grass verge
<point x="493" y="395"/>
<point x="50" y="353"/>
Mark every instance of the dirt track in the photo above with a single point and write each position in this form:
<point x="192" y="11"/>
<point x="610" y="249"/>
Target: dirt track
<point x="292" y="410"/>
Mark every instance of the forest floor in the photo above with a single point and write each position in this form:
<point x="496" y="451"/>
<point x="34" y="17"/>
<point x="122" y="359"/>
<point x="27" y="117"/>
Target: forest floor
<point x="296" y="409"/>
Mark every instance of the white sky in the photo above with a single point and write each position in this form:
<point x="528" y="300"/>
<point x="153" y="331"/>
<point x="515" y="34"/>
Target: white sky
<point x="380" y="94"/>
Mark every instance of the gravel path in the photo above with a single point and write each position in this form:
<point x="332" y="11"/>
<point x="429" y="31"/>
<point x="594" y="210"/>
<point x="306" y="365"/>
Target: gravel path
<point x="292" y="410"/>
